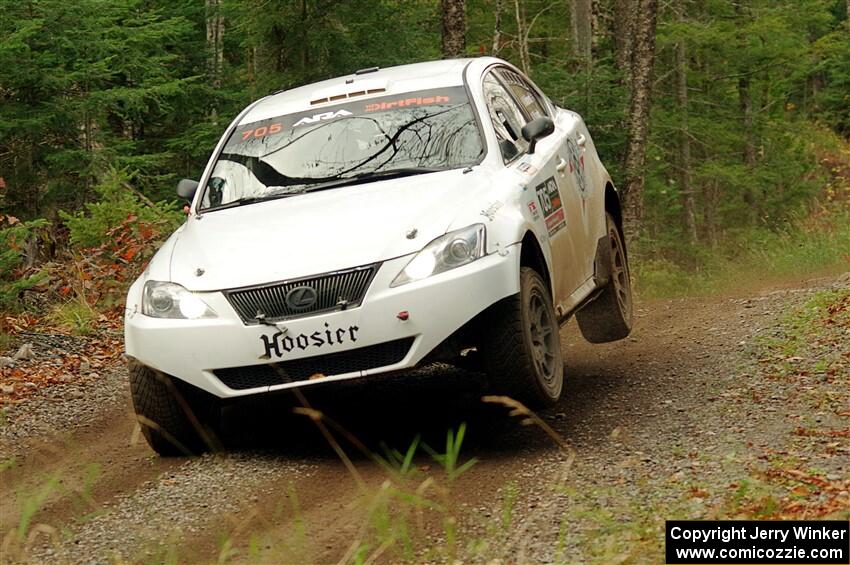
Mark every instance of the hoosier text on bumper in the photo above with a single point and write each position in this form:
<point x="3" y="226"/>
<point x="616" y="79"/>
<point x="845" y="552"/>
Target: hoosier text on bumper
<point x="279" y="344"/>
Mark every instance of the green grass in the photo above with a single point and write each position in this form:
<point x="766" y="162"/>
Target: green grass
<point x="817" y="244"/>
<point x="6" y="340"/>
<point x="17" y="541"/>
<point x="451" y="458"/>
<point x="76" y="316"/>
<point x="802" y="326"/>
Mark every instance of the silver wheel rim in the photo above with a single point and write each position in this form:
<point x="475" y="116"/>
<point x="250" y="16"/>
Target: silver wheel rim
<point x="543" y="333"/>
<point x="620" y="274"/>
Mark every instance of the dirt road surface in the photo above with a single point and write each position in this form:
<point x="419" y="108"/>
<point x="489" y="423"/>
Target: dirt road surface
<point x="83" y="487"/>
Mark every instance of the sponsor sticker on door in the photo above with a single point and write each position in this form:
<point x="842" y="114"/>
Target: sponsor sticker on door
<point x="550" y="202"/>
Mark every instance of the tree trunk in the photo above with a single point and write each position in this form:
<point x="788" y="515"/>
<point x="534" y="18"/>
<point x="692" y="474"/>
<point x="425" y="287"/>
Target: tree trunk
<point x="598" y="26"/>
<point x="215" y="42"/>
<point x="641" y="64"/>
<point x="454" y="28"/>
<point x="582" y="21"/>
<point x="624" y="15"/>
<point x="497" y="30"/>
<point x="215" y="48"/>
<point x="305" y="46"/>
<point x="749" y="149"/>
<point x="686" y="188"/>
<point x="709" y="202"/>
<point x="279" y="45"/>
<point x="522" y="37"/>
<point x="251" y="63"/>
<point x="749" y="152"/>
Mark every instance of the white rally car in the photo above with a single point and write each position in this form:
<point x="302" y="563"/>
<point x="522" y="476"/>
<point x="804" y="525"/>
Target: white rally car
<point x="439" y="211"/>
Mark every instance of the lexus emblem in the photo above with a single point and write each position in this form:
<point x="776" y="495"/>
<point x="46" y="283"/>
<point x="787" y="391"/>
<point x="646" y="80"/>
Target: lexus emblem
<point x="301" y="297"/>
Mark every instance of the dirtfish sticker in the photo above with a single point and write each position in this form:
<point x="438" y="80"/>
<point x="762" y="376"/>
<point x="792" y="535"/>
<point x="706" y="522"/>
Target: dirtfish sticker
<point x="550" y="201"/>
<point x="401" y="103"/>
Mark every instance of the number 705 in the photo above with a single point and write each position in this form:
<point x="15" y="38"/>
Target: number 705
<point x="261" y="131"/>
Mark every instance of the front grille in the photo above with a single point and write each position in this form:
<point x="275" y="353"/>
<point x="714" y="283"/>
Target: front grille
<point x="361" y="359"/>
<point x="332" y="291"/>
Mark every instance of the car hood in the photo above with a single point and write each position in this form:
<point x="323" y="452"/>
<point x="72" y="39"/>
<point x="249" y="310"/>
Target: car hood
<point x="318" y="232"/>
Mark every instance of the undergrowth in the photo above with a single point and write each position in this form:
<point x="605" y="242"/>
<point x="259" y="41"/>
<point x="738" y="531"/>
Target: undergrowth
<point x="75" y="316"/>
<point x="817" y="243"/>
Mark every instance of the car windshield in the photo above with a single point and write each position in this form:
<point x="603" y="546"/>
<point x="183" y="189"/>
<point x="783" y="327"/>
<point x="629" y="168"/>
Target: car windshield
<point x="344" y="144"/>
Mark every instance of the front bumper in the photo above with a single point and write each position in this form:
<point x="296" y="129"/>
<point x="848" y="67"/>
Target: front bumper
<point x="192" y="350"/>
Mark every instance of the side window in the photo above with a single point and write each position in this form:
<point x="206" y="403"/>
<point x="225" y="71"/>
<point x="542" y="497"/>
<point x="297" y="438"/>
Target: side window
<point x="231" y="181"/>
<point x="527" y="96"/>
<point x="506" y="116"/>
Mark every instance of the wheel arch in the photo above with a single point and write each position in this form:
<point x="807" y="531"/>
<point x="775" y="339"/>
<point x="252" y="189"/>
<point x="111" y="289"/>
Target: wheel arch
<point x="614" y="207"/>
<point x="531" y="255"/>
<point x="612" y="204"/>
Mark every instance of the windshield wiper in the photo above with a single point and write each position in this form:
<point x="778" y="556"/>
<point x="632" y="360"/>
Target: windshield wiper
<point x="293" y="190"/>
<point x="290" y="191"/>
<point x="370" y="176"/>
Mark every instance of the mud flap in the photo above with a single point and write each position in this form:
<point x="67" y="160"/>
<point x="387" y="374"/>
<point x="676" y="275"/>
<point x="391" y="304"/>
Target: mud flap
<point x="602" y="261"/>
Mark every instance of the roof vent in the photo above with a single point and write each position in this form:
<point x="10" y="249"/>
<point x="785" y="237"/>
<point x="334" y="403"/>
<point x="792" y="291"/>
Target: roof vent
<point x="341" y="93"/>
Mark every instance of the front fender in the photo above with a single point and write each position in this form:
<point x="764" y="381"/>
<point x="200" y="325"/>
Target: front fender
<point x="510" y="214"/>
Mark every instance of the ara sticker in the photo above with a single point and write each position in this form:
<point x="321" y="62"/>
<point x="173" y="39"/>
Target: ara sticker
<point x="535" y="212"/>
<point x="323" y="116"/>
<point x="527" y="169"/>
<point x="553" y="209"/>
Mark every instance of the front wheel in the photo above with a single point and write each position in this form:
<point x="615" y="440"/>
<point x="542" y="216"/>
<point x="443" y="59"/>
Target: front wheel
<point x="174" y="420"/>
<point x="609" y="316"/>
<point x="521" y="347"/>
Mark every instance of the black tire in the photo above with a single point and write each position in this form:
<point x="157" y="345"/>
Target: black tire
<point x="520" y="346"/>
<point x="175" y="420"/>
<point x="609" y="316"/>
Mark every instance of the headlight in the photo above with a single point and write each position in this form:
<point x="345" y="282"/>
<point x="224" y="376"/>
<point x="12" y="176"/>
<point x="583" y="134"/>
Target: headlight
<point x="169" y="300"/>
<point x="452" y="250"/>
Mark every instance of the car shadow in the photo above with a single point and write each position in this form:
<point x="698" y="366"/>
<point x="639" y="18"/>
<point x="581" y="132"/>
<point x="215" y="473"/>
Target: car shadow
<point x="367" y="416"/>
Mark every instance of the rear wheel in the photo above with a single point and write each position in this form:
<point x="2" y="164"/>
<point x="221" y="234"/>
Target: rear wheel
<point x="175" y="420"/>
<point x="520" y="346"/>
<point x="609" y="316"/>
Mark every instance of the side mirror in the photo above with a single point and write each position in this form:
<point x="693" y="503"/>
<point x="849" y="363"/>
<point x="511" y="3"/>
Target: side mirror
<point x="537" y="129"/>
<point x="186" y="189"/>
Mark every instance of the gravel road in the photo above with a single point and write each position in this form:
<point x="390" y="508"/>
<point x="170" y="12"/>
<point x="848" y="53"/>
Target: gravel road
<point x="674" y="406"/>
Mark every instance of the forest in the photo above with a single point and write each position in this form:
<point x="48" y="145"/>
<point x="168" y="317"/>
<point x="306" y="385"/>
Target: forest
<point x="724" y="123"/>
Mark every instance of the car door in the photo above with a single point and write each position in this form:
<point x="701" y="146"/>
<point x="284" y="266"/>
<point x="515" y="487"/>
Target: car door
<point x="546" y="199"/>
<point x="575" y="256"/>
<point x="575" y="176"/>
